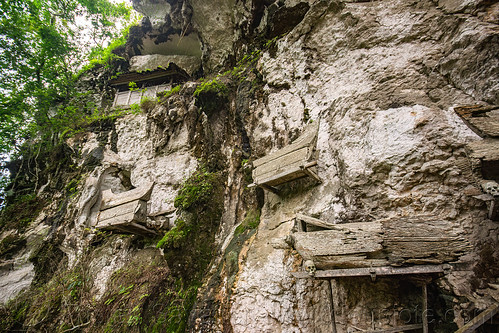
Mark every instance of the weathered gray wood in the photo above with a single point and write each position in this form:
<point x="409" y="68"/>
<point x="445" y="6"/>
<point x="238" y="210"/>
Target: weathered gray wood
<point x="289" y="163"/>
<point x="425" y="309"/>
<point x="312" y="174"/>
<point x="131" y="228"/>
<point x="483" y="120"/>
<point x="399" y="241"/>
<point x="319" y="223"/>
<point x="331" y="300"/>
<point x="278" y="165"/>
<point x="307" y="139"/>
<point x="378" y="271"/>
<point x="398" y="329"/>
<point x="135" y="211"/>
<point x="479" y="320"/>
<point x="282" y="177"/>
<point x="485" y="150"/>
<point x="354" y="238"/>
<point x="110" y="199"/>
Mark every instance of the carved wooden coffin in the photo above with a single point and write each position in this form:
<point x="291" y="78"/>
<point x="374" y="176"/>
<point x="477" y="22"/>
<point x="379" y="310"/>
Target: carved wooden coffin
<point x="126" y="211"/>
<point x="289" y="163"/>
<point x="398" y="241"/>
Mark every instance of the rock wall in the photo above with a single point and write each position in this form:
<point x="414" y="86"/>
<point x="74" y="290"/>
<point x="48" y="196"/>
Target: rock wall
<point x="381" y="78"/>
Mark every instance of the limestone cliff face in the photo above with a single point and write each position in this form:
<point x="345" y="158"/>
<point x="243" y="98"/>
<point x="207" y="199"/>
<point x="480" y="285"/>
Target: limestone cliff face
<point x="382" y="78"/>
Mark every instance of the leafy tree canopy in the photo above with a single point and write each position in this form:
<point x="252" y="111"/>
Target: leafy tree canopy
<point x="43" y="44"/>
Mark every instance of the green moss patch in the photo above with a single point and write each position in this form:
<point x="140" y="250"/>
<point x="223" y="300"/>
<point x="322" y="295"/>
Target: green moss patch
<point x="10" y="245"/>
<point x="211" y="95"/>
<point x="250" y="222"/>
<point x="20" y="213"/>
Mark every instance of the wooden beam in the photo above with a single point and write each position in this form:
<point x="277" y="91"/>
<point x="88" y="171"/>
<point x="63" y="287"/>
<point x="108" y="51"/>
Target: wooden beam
<point x="479" y="320"/>
<point x="381" y="271"/>
<point x="333" y="317"/>
<point x="397" y="329"/>
<point x="269" y="188"/>
<point x="318" y="223"/>
<point x="425" y="309"/>
<point x="312" y="174"/>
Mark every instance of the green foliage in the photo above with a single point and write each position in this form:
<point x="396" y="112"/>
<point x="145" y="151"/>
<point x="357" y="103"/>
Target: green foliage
<point x="197" y="189"/>
<point x="13" y="314"/>
<point x="211" y="94"/>
<point x="132" y="86"/>
<point x="21" y="212"/>
<point x="166" y="94"/>
<point x="210" y="87"/>
<point x="175" y="237"/>
<point x="250" y="222"/>
<point x="11" y="244"/>
<point x="106" y="55"/>
<point x="181" y="301"/>
<point x="42" y="49"/>
<point x="148" y="103"/>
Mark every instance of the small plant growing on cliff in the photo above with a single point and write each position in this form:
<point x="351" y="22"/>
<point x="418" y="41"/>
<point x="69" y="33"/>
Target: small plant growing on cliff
<point x="197" y="189"/>
<point x="211" y="94"/>
<point x="251" y="221"/>
<point x="166" y="94"/>
<point x="176" y="236"/>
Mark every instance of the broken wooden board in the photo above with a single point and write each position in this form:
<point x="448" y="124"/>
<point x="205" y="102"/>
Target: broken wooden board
<point x="110" y="199"/>
<point x="289" y="163"/>
<point x="316" y="222"/>
<point x="398" y="241"/>
<point x="479" y="320"/>
<point x="482" y="119"/>
<point x="377" y="271"/>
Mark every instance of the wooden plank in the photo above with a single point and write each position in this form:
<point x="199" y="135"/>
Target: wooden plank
<point x="110" y="199"/>
<point x="479" y="320"/>
<point x="378" y="271"/>
<point x="121" y="98"/>
<point x="348" y="261"/>
<point x="128" y="97"/>
<point x="425" y="309"/>
<point x="129" y="207"/>
<point x="487" y="125"/>
<point x="270" y="188"/>
<point x="283" y="177"/>
<point x="307" y="139"/>
<point x="126" y="213"/>
<point x="482" y="119"/>
<point x="354" y="238"/>
<point x="135" y="97"/>
<point x="398" y="329"/>
<point x="130" y="228"/>
<point x="312" y="174"/>
<point x="485" y="150"/>
<point x="296" y="158"/>
<point x="319" y="223"/>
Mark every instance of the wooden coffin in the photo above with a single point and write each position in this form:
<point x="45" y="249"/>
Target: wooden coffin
<point x="396" y="242"/>
<point x="129" y="97"/>
<point x="126" y="211"/>
<point x="289" y="163"/>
